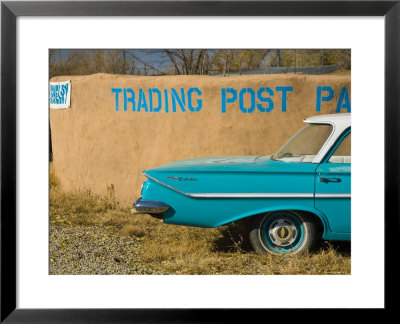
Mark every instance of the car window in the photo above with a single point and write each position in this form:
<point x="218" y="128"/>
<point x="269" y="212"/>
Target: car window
<point x="342" y="153"/>
<point x="305" y="144"/>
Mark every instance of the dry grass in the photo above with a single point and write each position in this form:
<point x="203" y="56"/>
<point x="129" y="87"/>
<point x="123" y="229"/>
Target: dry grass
<point x="188" y="250"/>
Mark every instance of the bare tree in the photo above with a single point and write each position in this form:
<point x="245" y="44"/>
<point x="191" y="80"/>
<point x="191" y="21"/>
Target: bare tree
<point x="187" y="61"/>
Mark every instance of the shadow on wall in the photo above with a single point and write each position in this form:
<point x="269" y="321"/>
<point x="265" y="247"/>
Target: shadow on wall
<point x="50" y="145"/>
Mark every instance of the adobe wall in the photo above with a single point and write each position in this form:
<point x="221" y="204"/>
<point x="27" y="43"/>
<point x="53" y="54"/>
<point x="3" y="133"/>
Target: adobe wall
<point x="97" y="143"/>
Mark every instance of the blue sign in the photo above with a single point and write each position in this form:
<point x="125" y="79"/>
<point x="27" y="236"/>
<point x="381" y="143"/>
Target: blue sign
<point x="60" y="95"/>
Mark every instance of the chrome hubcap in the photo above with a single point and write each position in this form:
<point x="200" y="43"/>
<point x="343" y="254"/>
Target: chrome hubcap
<point x="282" y="232"/>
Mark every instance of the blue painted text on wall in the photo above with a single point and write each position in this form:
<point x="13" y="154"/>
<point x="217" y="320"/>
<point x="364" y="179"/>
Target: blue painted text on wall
<point x="247" y="100"/>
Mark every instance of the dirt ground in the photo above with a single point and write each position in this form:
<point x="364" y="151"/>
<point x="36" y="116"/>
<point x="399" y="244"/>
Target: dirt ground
<point x="103" y="250"/>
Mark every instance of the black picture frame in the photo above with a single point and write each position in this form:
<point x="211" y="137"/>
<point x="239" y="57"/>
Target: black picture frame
<point x="10" y="10"/>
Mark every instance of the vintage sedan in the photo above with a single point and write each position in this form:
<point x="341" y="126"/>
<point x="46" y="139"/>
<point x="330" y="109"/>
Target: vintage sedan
<point x="292" y="198"/>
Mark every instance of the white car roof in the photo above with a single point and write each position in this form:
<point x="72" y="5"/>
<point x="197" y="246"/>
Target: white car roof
<point x="339" y="122"/>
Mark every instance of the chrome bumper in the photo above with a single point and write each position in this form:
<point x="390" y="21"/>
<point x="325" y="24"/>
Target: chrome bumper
<point x="149" y="206"/>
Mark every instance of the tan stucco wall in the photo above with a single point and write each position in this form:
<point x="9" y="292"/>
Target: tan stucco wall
<point x="95" y="146"/>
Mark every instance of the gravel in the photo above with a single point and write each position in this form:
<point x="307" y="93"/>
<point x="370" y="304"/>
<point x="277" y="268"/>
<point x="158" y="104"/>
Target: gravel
<point x="88" y="250"/>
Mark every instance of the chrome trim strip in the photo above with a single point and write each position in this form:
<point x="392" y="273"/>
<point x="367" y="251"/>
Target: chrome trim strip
<point x="251" y="195"/>
<point x="164" y="184"/>
<point x="329" y="195"/>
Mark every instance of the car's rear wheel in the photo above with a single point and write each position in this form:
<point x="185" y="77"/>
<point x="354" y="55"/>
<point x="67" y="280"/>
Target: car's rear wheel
<point x="283" y="232"/>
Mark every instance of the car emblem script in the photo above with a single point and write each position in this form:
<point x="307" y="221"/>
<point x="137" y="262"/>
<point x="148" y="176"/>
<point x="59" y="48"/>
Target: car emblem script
<point x="182" y="179"/>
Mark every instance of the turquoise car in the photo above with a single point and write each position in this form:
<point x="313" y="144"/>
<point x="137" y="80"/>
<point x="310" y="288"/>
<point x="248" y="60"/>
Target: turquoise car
<point x="293" y="198"/>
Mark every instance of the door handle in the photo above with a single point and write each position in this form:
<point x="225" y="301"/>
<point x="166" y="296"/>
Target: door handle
<point x="326" y="180"/>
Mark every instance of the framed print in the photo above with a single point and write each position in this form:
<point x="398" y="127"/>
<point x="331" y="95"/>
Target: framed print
<point x="365" y="34"/>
